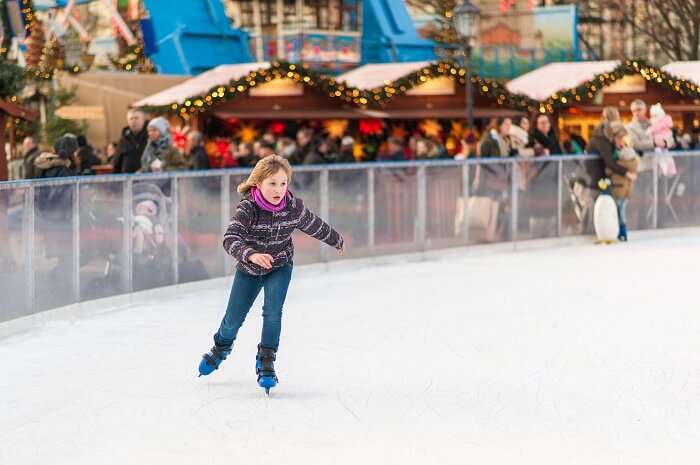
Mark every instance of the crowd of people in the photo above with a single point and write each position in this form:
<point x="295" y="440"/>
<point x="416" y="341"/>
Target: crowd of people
<point x="147" y="146"/>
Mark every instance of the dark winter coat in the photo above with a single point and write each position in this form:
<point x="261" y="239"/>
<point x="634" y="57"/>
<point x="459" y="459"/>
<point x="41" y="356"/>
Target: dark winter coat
<point x="254" y="230"/>
<point x="129" y="150"/>
<point x="88" y="159"/>
<point x="602" y="144"/>
<point x="304" y="155"/>
<point x="54" y="202"/>
<point x="345" y="155"/>
<point x="548" y="141"/>
<point x="399" y="155"/>
<point x="199" y="159"/>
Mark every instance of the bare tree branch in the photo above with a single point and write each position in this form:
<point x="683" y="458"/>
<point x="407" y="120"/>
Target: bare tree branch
<point x="673" y="26"/>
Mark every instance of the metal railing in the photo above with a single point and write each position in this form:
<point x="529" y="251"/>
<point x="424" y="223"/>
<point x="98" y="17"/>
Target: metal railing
<point x="69" y="240"/>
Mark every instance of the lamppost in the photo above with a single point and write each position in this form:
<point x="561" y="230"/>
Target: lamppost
<point x="466" y="23"/>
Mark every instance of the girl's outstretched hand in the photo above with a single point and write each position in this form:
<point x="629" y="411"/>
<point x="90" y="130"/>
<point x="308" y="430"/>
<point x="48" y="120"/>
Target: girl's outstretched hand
<point x="261" y="259"/>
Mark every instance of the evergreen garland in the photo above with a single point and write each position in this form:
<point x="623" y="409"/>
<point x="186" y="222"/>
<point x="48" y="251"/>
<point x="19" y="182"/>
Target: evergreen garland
<point x="586" y="92"/>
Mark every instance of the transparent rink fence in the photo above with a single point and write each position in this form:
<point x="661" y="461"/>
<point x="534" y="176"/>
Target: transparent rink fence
<point x="76" y="239"/>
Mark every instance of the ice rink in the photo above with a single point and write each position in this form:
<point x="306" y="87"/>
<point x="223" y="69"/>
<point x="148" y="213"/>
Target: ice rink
<point x="566" y="355"/>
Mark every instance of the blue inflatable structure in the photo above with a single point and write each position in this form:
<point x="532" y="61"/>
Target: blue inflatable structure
<point x="192" y="36"/>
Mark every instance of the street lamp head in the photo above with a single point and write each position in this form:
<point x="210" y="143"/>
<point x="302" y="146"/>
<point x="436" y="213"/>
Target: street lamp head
<point x="466" y="21"/>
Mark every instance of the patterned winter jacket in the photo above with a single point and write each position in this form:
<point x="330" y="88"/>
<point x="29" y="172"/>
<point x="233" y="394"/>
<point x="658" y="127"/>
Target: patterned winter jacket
<point x="254" y="230"/>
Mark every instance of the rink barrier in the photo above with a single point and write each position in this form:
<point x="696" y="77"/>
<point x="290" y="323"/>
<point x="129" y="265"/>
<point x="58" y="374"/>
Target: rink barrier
<point x="77" y="239"/>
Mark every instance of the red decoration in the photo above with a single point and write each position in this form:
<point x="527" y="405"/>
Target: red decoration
<point x="223" y="146"/>
<point x="277" y="128"/>
<point x="371" y="127"/>
<point x="179" y="140"/>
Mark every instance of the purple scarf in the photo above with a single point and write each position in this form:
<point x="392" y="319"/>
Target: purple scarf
<point x="264" y="204"/>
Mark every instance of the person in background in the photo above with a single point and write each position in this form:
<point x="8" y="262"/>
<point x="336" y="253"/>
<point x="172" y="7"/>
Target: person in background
<point x="256" y="147"/>
<point x="468" y="147"/>
<point x="132" y="143"/>
<point x="523" y="122"/>
<point x="29" y="151"/>
<point x="62" y="162"/>
<point x="285" y="147"/>
<point x="306" y="148"/>
<point x="160" y="153"/>
<point x="111" y="152"/>
<point x="265" y="149"/>
<point x="395" y="151"/>
<point x="543" y="138"/>
<point x="608" y="139"/>
<point x="245" y="155"/>
<point x="325" y="153"/>
<point x="640" y="138"/>
<point x="426" y="150"/>
<point x="410" y="149"/>
<point x="195" y="150"/>
<point x="229" y="159"/>
<point x="572" y="143"/>
<point x="270" y="138"/>
<point x="496" y="140"/>
<point x="346" y="154"/>
<point x="87" y="156"/>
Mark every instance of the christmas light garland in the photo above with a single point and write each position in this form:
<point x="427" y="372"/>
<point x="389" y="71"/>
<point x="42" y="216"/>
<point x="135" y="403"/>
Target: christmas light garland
<point x="379" y="96"/>
<point x="338" y="89"/>
<point x="278" y="70"/>
<point x="587" y="91"/>
<point x="487" y="87"/>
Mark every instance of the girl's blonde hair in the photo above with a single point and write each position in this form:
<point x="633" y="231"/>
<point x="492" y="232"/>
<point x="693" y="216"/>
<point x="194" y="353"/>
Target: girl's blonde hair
<point x="265" y="168"/>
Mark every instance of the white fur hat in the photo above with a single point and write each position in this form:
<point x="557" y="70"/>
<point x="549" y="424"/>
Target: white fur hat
<point x="656" y="111"/>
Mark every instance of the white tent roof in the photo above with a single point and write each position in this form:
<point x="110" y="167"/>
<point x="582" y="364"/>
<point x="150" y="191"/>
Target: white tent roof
<point x="219" y="76"/>
<point x="374" y="75"/>
<point x="689" y="70"/>
<point x="549" y="79"/>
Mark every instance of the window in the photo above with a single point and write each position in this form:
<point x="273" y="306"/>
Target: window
<point x="350" y="15"/>
<point x="241" y="13"/>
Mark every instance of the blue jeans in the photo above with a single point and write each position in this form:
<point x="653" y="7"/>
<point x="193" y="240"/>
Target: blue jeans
<point x="244" y="291"/>
<point x="621" y="207"/>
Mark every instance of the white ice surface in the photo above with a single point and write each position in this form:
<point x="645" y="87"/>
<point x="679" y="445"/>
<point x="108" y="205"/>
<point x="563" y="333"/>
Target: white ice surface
<point x="577" y="355"/>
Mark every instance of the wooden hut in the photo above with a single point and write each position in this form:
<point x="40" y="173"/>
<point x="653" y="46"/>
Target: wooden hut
<point x="9" y="111"/>
<point x="577" y="92"/>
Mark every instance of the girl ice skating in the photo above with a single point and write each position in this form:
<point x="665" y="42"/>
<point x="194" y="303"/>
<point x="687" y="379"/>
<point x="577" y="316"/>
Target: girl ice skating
<point x="260" y="238"/>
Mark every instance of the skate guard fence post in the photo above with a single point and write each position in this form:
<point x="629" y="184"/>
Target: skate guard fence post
<point x="22" y="207"/>
<point x="76" y="241"/>
<point x="560" y="181"/>
<point x="465" y="203"/>
<point x="28" y="233"/>
<point x="175" y="228"/>
<point x="127" y="242"/>
<point x="421" y="220"/>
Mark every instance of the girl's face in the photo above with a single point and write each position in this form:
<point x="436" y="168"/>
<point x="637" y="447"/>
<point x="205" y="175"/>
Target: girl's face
<point x="274" y="187"/>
